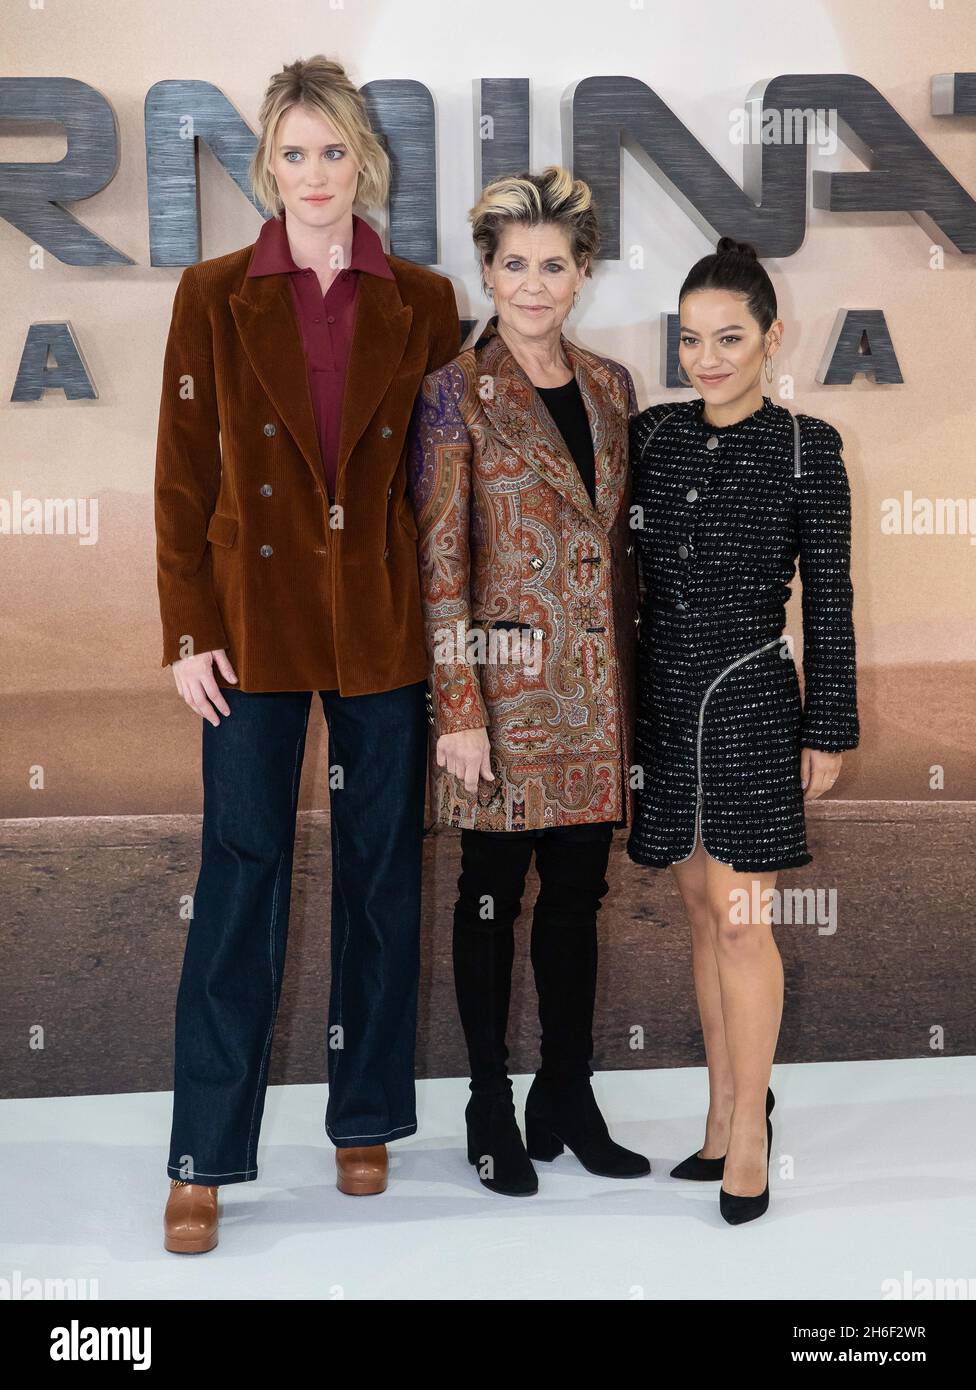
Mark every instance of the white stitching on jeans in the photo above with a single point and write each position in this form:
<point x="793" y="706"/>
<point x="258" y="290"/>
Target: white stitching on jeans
<point x="379" y="1135"/>
<point x="274" y="917"/>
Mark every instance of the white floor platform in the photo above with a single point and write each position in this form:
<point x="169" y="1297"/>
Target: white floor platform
<point x="873" y="1179"/>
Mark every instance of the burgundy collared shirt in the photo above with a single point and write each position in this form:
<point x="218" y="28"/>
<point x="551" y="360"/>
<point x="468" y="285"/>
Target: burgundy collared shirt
<point x="326" y="323"/>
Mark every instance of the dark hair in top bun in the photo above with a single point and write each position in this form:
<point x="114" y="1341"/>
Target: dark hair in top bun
<point x="735" y="266"/>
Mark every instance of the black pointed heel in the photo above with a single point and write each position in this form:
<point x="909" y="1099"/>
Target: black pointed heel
<point x="698" y="1169"/>
<point x="738" y="1210"/>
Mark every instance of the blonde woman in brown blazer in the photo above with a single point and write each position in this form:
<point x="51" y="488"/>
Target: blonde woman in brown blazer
<point x="287" y="563"/>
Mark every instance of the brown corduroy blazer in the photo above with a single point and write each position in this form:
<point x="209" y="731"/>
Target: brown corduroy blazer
<point x="249" y="557"/>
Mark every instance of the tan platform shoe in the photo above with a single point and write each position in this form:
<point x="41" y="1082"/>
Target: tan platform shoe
<point x="360" y="1172"/>
<point x="190" y="1222"/>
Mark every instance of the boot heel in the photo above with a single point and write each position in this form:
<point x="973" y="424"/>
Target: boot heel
<point x="540" y="1142"/>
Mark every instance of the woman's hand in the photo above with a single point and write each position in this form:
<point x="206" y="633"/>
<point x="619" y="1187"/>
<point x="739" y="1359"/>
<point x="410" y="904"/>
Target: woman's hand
<point x="818" y="771"/>
<point x="466" y="754"/>
<point x="195" y="681"/>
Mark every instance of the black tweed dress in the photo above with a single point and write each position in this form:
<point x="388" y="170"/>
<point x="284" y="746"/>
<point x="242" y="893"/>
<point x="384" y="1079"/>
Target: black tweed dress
<point x="720" y="515"/>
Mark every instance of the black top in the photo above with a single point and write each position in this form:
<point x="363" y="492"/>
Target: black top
<point x="565" y="405"/>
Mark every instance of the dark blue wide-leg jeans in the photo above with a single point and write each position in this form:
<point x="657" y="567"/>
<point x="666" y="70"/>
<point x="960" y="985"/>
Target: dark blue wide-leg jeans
<point x="235" y="949"/>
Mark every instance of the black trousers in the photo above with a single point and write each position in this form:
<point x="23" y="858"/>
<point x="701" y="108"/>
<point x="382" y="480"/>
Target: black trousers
<point x="571" y="862"/>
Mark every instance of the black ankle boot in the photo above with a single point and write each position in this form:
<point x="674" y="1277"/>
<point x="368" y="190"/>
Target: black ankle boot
<point x="698" y="1169"/>
<point x="495" y="1145"/>
<point x="562" y="1114"/>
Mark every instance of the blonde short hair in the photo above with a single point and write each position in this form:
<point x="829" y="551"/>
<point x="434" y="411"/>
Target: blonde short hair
<point x="552" y="196"/>
<point x="322" y="86"/>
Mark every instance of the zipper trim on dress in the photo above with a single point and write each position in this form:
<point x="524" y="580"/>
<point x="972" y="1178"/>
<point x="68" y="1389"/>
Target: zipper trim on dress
<point x="653" y="433"/>
<point x="699" y="794"/>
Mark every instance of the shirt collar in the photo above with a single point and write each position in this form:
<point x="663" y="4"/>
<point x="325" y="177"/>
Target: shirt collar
<point x="271" y="254"/>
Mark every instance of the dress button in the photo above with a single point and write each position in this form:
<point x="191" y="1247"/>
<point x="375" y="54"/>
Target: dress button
<point x="270" y="429"/>
<point x="691" y="495"/>
<point x="266" y="489"/>
<point x="386" y="431"/>
<point x="266" y="550"/>
<point x="711" y="442"/>
<point x="683" y="552"/>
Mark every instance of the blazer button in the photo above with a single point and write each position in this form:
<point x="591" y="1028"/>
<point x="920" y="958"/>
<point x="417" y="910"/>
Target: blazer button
<point x="683" y="551"/>
<point x="711" y="442"/>
<point x="691" y="495"/>
<point x="270" y="429"/>
<point x="266" y="489"/>
<point x="267" y="550"/>
<point x="536" y="563"/>
<point x="386" y="431"/>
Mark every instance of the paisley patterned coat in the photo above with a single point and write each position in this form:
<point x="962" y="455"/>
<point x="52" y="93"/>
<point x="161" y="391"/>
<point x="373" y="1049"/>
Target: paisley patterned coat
<point x="529" y="590"/>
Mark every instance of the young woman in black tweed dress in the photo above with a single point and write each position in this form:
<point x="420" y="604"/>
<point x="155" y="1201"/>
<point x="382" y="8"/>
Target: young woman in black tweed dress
<point x="729" y="489"/>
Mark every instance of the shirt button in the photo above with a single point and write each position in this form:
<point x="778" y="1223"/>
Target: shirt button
<point x="386" y="431"/>
<point x="266" y="550"/>
<point x="691" y="495"/>
<point x="711" y="442"/>
<point x="331" y="318"/>
<point x="265" y="489"/>
<point x="270" y="429"/>
<point x="683" y="551"/>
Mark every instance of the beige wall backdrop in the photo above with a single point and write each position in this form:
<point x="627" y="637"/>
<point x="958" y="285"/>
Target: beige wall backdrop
<point x="82" y="694"/>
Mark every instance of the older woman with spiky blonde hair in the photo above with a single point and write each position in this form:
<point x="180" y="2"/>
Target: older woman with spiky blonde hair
<point x="519" y="476"/>
<point x="287" y="564"/>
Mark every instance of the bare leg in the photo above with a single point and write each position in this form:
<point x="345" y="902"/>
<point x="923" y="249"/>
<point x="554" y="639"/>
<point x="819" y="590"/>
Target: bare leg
<point x="691" y="881"/>
<point x="750" y="974"/>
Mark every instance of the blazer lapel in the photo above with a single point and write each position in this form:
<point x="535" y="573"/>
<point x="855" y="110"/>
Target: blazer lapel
<point x="520" y="416"/>
<point x="378" y="343"/>
<point x="268" y="327"/>
<point x="267" y="323"/>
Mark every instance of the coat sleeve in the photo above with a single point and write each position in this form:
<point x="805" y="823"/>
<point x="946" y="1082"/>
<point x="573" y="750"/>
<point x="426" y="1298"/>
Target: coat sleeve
<point x="439" y="478"/>
<point x="187" y="481"/>
<point x="830" y="717"/>
<point x="445" y="338"/>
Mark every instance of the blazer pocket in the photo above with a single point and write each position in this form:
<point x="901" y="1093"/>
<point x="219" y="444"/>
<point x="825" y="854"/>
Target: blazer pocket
<point x="222" y="529"/>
